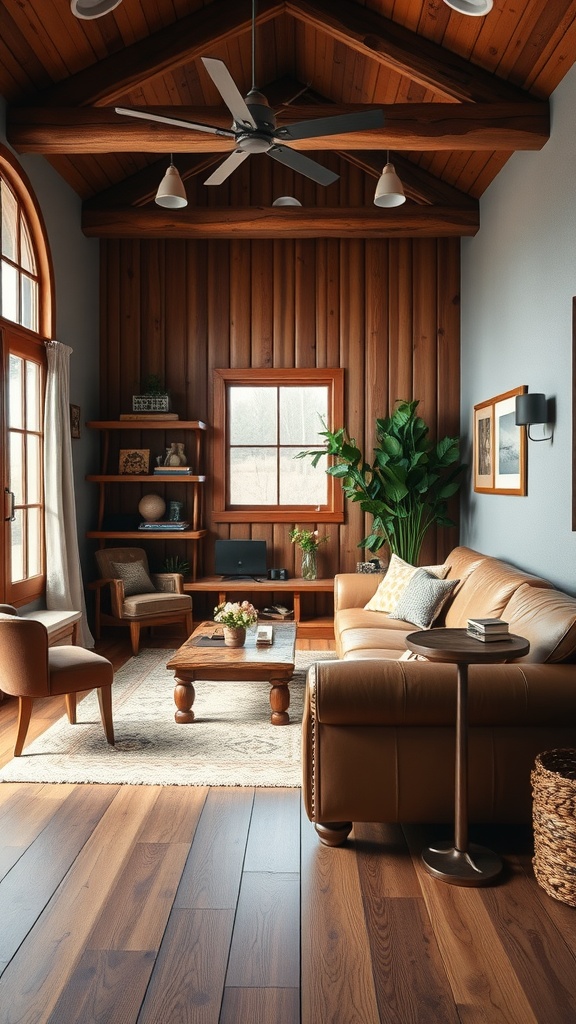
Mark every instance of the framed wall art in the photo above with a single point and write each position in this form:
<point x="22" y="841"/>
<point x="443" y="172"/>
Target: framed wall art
<point x="134" y="461"/>
<point x="499" y="446"/>
<point x="75" y="421"/>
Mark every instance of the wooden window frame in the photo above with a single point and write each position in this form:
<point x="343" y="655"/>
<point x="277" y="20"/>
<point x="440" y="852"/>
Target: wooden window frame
<point x="333" y="378"/>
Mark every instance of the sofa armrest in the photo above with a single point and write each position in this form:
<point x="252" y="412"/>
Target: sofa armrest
<point x="354" y="589"/>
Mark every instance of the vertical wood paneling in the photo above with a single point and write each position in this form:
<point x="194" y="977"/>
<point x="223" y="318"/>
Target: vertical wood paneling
<point x="385" y="310"/>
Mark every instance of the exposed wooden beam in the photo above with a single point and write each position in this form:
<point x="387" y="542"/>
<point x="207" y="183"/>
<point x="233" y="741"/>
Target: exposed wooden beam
<point x="408" y="221"/>
<point x="396" y="47"/>
<point x="408" y="126"/>
<point x="180" y="43"/>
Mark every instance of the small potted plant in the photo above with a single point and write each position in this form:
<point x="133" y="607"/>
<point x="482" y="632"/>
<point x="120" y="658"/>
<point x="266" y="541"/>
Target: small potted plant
<point x="235" y="617"/>
<point x="153" y="396"/>
<point x="308" y="541"/>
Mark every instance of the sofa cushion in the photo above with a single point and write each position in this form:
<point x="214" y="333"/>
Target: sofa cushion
<point x="135" y="578"/>
<point x="486" y="592"/>
<point x="423" y="599"/>
<point x="547" y="618"/>
<point x="395" y="582"/>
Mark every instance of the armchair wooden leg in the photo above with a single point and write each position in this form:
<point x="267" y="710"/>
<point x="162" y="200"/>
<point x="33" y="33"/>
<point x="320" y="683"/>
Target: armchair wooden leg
<point x="189" y="624"/>
<point x="24" y="713"/>
<point x="70" y="699"/>
<point x="135" y="637"/>
<point x="333" y="833"/>
<point x="105" y="702"/>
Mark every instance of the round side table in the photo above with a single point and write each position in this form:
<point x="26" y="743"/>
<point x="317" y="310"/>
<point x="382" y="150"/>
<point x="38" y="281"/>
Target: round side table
<point x="463" y="863"/>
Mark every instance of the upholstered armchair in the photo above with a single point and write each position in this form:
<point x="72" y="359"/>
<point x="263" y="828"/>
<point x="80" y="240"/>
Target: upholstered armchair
<point x="135" y="597"/>
<point x="30" y="669"/>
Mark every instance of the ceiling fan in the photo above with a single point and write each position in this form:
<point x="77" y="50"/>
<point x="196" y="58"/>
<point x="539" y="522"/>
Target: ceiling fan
<point x="254" y="128"/>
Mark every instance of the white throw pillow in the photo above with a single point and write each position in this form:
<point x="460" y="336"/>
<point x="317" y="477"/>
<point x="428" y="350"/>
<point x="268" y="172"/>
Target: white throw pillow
<point x="423" y="599"/>
<point x="395" y="582"/>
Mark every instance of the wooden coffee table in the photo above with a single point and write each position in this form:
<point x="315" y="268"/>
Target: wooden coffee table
<point x="202" y="657"/>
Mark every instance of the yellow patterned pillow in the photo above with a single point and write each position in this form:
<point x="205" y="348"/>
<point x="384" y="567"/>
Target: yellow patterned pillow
<point x="395" y="582"/>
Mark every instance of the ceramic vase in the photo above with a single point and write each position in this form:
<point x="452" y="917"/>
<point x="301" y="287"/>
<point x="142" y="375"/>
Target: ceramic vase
<point x="309" y="570"/>
<point x="234" y="636"/>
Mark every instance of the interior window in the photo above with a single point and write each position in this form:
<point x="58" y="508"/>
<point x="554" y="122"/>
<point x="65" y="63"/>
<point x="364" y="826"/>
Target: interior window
<point x="263" y="419"/>
<point x="19" y="295"/>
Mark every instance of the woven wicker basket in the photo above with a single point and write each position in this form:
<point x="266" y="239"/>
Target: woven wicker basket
<point x="554" y="818"/>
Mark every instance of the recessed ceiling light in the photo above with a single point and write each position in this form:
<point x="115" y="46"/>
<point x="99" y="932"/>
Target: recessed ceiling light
<point x="87" y="9"/>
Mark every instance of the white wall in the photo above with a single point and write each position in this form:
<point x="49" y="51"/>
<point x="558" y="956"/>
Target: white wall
<point x="518" y="280"/>
<point x="75" y="260"/>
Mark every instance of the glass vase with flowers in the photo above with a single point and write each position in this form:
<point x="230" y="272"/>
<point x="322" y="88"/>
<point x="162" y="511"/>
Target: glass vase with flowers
<point x="308" y="541"/>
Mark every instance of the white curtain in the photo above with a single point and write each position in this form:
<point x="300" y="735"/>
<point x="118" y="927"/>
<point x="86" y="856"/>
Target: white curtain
<point x="64" y="587"/>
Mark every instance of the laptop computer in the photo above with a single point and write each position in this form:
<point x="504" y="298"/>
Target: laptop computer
<point x="240" y="559"/>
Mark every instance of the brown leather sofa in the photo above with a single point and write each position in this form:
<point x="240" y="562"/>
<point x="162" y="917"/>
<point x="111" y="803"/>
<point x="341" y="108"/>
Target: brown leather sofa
<point x="378" y="732"/>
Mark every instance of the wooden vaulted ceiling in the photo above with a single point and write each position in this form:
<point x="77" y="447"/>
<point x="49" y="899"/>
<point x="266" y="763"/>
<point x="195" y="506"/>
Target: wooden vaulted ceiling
<point x="459" y="95"/>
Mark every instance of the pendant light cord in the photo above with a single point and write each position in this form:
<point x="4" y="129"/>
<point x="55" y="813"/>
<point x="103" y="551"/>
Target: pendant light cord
<point x="253" y="45"/>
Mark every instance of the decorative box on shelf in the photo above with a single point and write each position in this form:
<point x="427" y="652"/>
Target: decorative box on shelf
<point x="150" y="403"/>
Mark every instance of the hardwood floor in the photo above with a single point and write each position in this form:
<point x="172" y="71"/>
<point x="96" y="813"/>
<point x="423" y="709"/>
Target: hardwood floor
<point x="125" y="904"/>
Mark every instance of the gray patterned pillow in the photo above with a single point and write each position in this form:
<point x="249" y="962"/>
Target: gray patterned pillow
<point x="423" y="599"/>
<point x="134" y="576"/>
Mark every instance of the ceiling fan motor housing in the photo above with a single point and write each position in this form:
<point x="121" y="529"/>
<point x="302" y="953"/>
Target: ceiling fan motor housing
<point x="259" y="139"/>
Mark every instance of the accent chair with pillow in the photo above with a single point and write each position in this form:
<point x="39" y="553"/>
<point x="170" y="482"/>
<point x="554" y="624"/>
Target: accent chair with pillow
<point x="137" y="597"/>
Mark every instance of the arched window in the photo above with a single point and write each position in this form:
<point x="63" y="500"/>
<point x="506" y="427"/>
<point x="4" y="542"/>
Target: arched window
<point x="25" y="325"/>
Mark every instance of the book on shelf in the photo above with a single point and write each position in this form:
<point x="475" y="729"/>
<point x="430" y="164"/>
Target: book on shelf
<point x="165" y="524"/>
<point x="486" y="638"/>
<point x="149" y="416"/>
<point x="488" y="625"/>
<point x="276" y="611"/>
<point x="173" y="470"/>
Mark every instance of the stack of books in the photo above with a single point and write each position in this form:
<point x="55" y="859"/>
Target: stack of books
<point x="165" y="524"/>
<point x="276" y="611"/>
<point x="173" y="470"/>
<point x="264" y="636"/>
<point x="488" y="629"/>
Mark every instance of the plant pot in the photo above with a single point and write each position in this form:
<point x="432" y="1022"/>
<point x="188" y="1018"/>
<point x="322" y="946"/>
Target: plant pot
<point x="234" y="636"/>
<point x="309" y="568"/>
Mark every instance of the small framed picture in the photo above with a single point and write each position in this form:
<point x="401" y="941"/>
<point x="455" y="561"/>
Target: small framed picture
<point x="134" y="461"/>
<point x="499" y="446"/>
<point x="75" y="421"/>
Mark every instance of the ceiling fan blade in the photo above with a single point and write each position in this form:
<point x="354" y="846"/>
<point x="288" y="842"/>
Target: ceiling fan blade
<point x="228" y="90"/>
<point x="341" y="123"/>
<point x="176" y="121"/>
<point x="224" y="170"/>
<point x="302" y="164"/>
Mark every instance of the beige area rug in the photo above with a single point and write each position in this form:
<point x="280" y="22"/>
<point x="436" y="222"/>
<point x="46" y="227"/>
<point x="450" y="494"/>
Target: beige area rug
<point x="231" y="743"/>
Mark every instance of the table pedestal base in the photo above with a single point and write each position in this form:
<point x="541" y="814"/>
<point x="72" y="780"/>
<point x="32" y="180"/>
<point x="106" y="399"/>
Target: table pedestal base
<point x="474" y="866"/>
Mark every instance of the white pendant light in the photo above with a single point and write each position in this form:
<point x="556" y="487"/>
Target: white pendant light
<point x="171" y="192"/>
<point x="88" y="9"/>
<point x="476" y="8"/>
<point x="389" y="190"/>
<point x="286" y="201"/>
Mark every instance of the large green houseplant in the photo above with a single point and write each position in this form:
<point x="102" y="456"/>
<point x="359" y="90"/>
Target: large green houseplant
<point x="406" y="487"/>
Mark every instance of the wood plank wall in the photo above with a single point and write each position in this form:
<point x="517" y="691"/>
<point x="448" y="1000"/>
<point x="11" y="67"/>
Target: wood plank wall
<point x="386" y="310"/>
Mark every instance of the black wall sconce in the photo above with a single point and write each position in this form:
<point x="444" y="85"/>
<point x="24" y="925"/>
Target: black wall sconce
<point x="532" y="408"/>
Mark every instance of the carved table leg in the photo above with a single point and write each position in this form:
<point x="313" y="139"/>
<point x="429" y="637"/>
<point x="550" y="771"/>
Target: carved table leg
<point x="184" y="694"/>
<point x="279" y="701"/>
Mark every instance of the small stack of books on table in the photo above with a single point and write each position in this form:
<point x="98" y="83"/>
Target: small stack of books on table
<point x="488" y="629"/>
<point x="165" y="524"/>
<point x="264" y="636"/>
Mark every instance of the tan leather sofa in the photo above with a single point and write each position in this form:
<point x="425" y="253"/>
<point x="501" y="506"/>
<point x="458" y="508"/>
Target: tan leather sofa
<point x="378" y="732"/>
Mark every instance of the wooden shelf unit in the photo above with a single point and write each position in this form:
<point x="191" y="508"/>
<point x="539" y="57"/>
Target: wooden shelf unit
<point x="321" y="628"/>
<point x="195" y="480"/>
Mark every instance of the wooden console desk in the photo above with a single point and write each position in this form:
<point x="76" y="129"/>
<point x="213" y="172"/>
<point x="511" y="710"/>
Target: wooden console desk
<point x="284" y="591"/>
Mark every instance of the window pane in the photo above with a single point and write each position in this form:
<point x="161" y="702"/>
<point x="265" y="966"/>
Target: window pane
<point x="253" y="476"/>
<point x="302" y="411"/>
<point x="252" y="415"/>
<point x="27" y="258"/>
<point x="300" y="483"/>
<point x="32" y="395"/>
<point x="9" y="221"/>
<point x="15" y="405"/>
<point x="9" y="292"/>
<point x="17" y="467"/>
<point x="34" y="542"/>
<point x="33" y="494"/>
<point x="17" y="548"/>
<point x="29" y="303"/>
